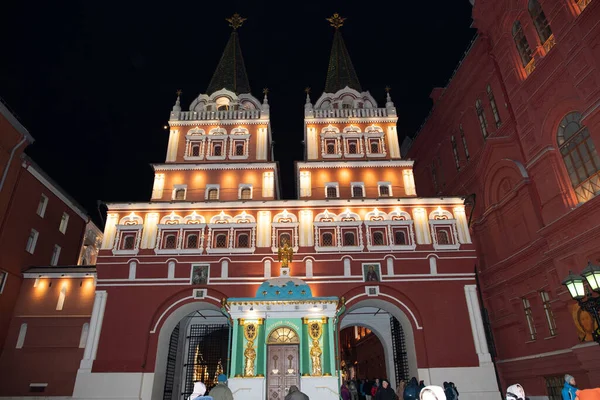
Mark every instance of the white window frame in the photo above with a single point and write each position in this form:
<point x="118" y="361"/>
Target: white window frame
<point x="176" y="188"/>
<point x="212" y="186"/>
<point x="549" y="313"/>
<point x="30" y="248"/>
<point x="243" y="186"/>
<point x="137" y="229"/>
<point x="529" y="319"/>
<point x="41" y="210"/>
<point x="245" y="137"/>
<point x="64" y="223"/>
<point x="193" y="137"/>
<point x="3" y="279"/>
<point x="55" y="255"/>
<point x="337" y="189"/>
<point x="357" y="184"/>
<point x="389" y="186"/>
<point x="217" y="137"/>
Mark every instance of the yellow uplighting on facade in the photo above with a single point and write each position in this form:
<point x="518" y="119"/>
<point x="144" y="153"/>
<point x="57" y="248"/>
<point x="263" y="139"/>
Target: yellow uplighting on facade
<point x="132" y="216"/>
<point x="172" y="215"/>
<point x="36" y="283"/>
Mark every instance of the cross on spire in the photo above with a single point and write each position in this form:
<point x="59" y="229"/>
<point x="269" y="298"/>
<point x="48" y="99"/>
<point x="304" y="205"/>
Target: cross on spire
<point x="178" y="92"/>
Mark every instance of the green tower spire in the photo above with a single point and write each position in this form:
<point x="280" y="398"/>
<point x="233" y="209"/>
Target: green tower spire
<point x="341" y="72"/>
<point x="231" y="71"/>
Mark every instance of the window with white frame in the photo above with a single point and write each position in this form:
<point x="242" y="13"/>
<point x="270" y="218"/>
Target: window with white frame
<point x="191" y="241"/>
<point x="349" y="239"/>
<point x="3" y="278"/>
<point x="385" y="189"/>
<point x="245" y="192"/>
<point x="194" y="149"/>
<point x="128" y="240"/>
<point x="493" y="106"/>
<point x="64" y="221"/>
<point x="548" y="311"/>
<point x="41" y="210"/>
<point x="400" y="237"/>
<point x="327" y="239"/>
<point x="216" y="148"/>
<point x="55" y="255"/>
<point x="358" y="189"/>
<point x="239" y="147"/>
<point x="179" y="192"/>
<point x="352" y="146"/>
<point x="242" y="239"/>
<point x="330" y="146"/>
<point x="378" y="238"/>
<point x="529" y="318"/>
<point x="31" y="241"/>
<point x="332" y="190"/>
<point x="212" y="192"/>
<point x="481" y="117"/>
<point x="221" y="240"/>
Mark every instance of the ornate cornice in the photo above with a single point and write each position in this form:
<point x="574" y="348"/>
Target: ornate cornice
<point x="354" y="164"/>
<point x="224" y="166"/>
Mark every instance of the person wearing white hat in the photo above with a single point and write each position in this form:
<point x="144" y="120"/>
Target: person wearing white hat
<point x="515" y="392"/>
<point x="432" y="393"/>
<point x="198" y="393"/>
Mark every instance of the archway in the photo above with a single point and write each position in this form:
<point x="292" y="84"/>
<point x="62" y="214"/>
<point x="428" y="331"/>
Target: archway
<point x="192" y="346"/>
<point x="387" y="321"/>
<point x="362" y="354"/>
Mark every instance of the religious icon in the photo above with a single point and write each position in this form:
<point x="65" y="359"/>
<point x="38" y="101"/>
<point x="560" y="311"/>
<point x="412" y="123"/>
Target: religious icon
<point x="371" y="272"/>
<point x="285" y="254"/>
<point x="250" y="355"/>
<point x="315" y="355"/>
<point x="200" y="274"/>
<point x="584" y="322"/>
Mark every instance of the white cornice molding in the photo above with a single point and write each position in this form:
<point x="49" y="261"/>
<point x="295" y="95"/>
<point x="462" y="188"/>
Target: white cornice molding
<point x="280" y="205"/>
<point x="354" y="164"/>
<point x="346" y="120"/>
<point x="222" y="166"/>
<point x="176" y="123"/>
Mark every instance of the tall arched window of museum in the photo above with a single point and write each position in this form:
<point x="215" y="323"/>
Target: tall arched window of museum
<point x="521" y="43"/>
<point x="580" y="156"/>
<point x="539" y="20"/>
<point x="481" y="117"/>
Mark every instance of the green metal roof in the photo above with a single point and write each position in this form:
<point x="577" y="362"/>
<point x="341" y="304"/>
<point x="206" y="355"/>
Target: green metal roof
<point x="231" y="71"/>
<point x="341" y="72"/>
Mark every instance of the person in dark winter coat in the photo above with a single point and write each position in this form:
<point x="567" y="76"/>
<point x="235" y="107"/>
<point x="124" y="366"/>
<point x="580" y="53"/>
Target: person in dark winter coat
<point x="412" y="390"/>
<point x="295" y="394"/>
<point x="385" y="392"/>
<point x="367" y="389"/>
<point x="450" y="391"/>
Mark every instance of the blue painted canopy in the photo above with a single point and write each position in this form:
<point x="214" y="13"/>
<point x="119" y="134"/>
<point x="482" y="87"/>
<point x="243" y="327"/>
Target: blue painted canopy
<point x="284" y="288"/>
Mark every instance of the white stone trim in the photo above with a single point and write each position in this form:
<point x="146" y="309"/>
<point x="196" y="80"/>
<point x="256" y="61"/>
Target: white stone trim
<point x="242" y="186"/>
<point x="213" y="166"/>
<point x="389" y="186"/>
<point x="277" y="205"/>
<point x="210" y="186"/>
<point x="355" y="164"/>
<point x="337" y="189"/>
<point x="357" y="184"/>
<point x="179" y="187"/>
<point x="91" y="346"/>
<point x="479" y="338"/>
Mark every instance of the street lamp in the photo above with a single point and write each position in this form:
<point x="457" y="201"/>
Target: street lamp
<point x="576" y="286"/>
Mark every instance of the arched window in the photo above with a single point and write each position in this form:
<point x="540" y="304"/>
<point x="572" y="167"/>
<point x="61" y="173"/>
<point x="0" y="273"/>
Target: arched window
<point x="349" y="239"/>
<point x="221" y="240"/>
<point x="243" y="240"/>
<point x="180" y="194"/>
<point x="539" y="20"/>
<point x="378" y="238"/>
<point x="352" y="147"/>
<point x="129" y="242"/>
<point x="327" y="239"/>
<point x="442" y="237"/>
<point x="170" y="241"/>
<point x="213" y="194"/>
<point x="384" y="190"/>
<point x="522" y="44"/>
<point x="246" y="194"/>
<point x="374" y="145"/>
<point x="494" y="107"/>
<point x="455" y="152"/>
<point x="464" y="141"/>
<point x="331" y="192"/>
<point x="399" y="238"/>
<point x="481" y="117"/>
<point x="192" y="242"/>
<point x="217" y="149"/>
<point x="239" y="149"/>
<point x="357" y="191"/>
<point x="196" y="150"/>
<point x="580" y="156"/>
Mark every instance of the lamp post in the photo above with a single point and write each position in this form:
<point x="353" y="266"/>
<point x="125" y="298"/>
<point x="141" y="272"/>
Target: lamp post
<point x="587" y="301"/>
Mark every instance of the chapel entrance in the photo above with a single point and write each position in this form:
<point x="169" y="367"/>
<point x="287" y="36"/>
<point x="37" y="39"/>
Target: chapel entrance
<point x="283" y="362"/>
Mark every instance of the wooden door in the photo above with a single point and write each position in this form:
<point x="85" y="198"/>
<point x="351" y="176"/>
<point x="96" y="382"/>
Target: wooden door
<point x="282" y="370"/>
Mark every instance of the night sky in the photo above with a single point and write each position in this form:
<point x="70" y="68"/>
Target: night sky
<point x="94" y="82"/>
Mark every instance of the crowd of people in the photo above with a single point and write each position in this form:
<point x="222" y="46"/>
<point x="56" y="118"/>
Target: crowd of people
<point x="381" y="389"/>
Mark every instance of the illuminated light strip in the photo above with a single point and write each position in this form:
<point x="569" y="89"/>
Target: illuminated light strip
<point x="173" y="305"/>
<point x="396" y="300"/>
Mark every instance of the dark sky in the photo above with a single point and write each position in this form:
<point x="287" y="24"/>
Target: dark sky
<point x="94" y="82"/>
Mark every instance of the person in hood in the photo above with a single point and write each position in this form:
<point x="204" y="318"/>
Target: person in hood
<point x="385" y="392"/>
<point x="515" y="392"/>
<point x="412" y="390"/>
<point x="569" y="391"/>
<point x="295" y="394"/>
<point x="432" y="393"/>
<point x="221" y="391"/>
<point x="198" y="393"/>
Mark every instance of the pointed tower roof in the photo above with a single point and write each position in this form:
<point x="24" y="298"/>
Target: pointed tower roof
<point x="231" y="71"/>
<point x="341" y="72"/>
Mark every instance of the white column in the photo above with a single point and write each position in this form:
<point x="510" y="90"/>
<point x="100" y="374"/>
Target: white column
<point x="390" y="266"/>
<point x="267" y="268"/>
<point x="347" y="270"/>
<point x="224" y="268"/>
<point x="481" y="347"/>
<point x="309" y="268"/>
<point x="132" y="270"/>
<point x="171" y="271"/>
<point x="433" y="265"/>
<point x="91" y="346"/>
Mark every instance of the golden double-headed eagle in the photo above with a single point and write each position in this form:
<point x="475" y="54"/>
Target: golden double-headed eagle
<point x="285" y="254"/>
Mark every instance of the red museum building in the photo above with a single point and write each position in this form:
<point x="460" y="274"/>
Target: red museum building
<point x="518" y="126"/>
